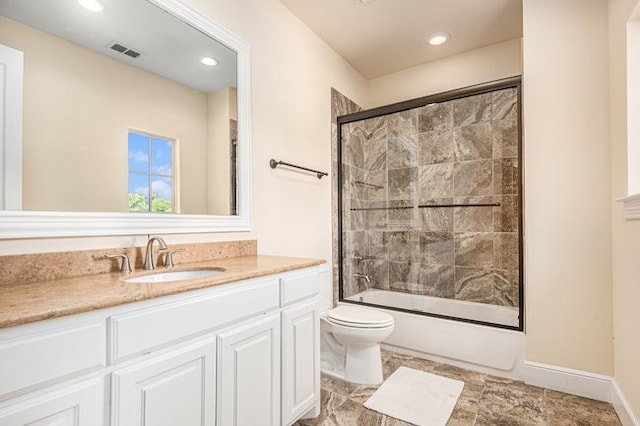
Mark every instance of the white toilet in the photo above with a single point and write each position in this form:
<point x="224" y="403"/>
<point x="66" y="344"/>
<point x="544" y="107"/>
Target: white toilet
<point x="350" y="343"/>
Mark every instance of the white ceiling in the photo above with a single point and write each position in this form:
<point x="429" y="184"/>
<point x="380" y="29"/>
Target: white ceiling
<point x="169" y="47"/>
<point x="386" y="36"/>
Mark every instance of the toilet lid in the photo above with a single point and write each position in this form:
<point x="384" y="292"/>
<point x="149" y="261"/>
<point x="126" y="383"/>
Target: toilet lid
<point x="354" y="316"/>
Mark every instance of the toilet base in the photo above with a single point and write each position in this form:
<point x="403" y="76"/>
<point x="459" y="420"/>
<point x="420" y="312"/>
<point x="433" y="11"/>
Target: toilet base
<point x="363" y="365"/>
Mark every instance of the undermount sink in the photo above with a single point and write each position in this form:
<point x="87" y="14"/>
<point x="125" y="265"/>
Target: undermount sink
<point x="163" y="277"/>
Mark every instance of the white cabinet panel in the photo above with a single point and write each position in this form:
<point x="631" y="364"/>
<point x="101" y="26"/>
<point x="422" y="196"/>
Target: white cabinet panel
<point x="176" y="388"/>
<point x="249" y="374"/>
<point x="138" y="332"/>
<point x="300" y="286"/>
<point x="77" y="405"/>
<point x="300" y="359"/>
<point x="37" y="360"/>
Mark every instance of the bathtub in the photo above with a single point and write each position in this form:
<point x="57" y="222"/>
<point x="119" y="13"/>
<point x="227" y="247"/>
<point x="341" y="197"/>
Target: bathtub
<point x="477" y="347"/>
<point x="504" y="315"/>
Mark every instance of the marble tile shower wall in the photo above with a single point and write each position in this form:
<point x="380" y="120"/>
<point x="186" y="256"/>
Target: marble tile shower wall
<point x="463" y="151"/>
<point x="340" y="105"/>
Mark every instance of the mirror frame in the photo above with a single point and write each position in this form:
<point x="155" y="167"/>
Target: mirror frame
<point x="38" y="224"/>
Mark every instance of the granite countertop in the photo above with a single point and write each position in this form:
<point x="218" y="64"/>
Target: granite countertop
<point x="23" y="303"/>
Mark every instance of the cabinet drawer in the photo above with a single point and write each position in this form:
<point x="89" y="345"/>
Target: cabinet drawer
<point x="300" y="286"/>
<point x="81" y="404"/>
<point x="53" y="355"/>
<point x="141" y="331"/>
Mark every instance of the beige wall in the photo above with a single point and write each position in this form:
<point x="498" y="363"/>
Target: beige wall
<point x="567" y="185"/>
<point x="466" y="69"/>
<point x="221" y="108"/>
<point x="626" y="234"/>
<point x="75" y="125"/>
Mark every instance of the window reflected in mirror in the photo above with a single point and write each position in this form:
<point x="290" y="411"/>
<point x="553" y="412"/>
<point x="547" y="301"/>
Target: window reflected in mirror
<point x="151" y="160"/>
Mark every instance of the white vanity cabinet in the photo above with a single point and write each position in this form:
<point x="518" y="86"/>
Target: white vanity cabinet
<point x="300" y="300"/>
<point x="244" y="353"/>
<point x="249" y="373"/>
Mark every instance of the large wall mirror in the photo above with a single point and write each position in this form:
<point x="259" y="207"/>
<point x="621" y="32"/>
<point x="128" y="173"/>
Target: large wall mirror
<point x="126" y="117"/>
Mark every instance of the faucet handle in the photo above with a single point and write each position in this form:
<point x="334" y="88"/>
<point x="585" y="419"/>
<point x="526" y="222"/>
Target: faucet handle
<point x="168" y="258"/>
<point x="125" y="268"/>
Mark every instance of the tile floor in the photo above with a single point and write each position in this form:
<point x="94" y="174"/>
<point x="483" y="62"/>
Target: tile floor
<point x="485" y="400"/>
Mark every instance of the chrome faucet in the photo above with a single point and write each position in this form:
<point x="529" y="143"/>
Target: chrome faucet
<point x="363" y="276"/>
<point x="148" y="257"/>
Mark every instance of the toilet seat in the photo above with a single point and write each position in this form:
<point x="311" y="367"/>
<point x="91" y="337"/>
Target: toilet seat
<point x="356" y="317"/>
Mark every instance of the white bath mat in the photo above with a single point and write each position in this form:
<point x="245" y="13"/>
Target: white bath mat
<point x="416" y="397"/>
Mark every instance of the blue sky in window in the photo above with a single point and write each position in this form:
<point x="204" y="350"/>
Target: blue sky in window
<point x="162" y="157"/>
<point x="138" y="153"/>
<point x="138" y="184"/>
<point x="162" y="187"/>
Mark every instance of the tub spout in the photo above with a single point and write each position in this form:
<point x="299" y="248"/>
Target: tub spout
<point x="363" y="276"/>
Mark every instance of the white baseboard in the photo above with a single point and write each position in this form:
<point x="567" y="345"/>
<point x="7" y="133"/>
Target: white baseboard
<point x="581" y="383"/>
<point x="622" y="407"/>
<point x="575" y="382"/>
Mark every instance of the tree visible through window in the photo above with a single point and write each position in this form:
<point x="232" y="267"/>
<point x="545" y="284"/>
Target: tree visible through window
<point x="150" y="167"/>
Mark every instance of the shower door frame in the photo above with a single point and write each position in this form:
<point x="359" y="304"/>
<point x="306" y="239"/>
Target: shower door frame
<point x="478" y="89"/>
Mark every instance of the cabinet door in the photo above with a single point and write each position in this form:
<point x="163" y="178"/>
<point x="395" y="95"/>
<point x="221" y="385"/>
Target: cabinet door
<point x="176" y="388"/>
<point x="81" y="404"/>
<point x="249" y="373"/>
<point x="300" y="359"/>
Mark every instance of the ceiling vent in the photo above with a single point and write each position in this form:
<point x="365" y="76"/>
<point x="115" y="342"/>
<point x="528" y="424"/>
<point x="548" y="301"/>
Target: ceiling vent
<point x="120" y="48"/>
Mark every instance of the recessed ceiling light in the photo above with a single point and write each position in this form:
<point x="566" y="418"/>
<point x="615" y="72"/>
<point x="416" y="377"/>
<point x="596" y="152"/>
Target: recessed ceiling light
<point x="438" y="38"/>
<point x="209" y="61"/>
<point x="92" y="5"/>
<point x="361" y="2"/>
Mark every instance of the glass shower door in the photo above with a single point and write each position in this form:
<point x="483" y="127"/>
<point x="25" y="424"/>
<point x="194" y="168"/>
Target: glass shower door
<point x="430" y="205"/>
